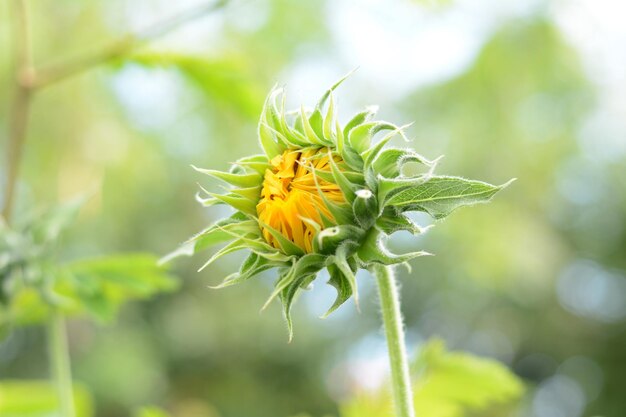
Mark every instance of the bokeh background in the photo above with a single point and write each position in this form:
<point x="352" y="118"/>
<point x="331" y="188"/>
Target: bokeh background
<point x="537" y="279"/>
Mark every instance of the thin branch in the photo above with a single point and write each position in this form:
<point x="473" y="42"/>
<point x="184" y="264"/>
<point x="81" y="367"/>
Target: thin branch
<point x="121" y="47"/>
<point x="24" y="76"/>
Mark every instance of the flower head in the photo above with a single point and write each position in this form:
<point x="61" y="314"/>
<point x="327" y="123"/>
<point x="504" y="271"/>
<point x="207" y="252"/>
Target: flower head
<point x="293" y="199"/>
<point x="322" y="195"/>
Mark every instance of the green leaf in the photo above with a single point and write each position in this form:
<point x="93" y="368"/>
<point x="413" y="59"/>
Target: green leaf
<point x="388" y="187"/>
<point x="463" y="380"/>
<point x="226" y="81"/>
<point x="47" y="226"/>
<point x="100" y="286"/>
<point x="39" y="399"/>
<point x="440" y="195"/>
<point x="342" y="284"/>
<point x="447" y="384"/>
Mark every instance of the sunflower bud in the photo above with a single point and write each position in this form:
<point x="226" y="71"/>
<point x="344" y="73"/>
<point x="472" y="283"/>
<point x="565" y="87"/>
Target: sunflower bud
<point x="324" y="196"/>
<point x="365" y="208"/>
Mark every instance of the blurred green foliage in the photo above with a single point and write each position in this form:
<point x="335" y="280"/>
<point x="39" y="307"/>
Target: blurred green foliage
<point x="496" y="287"/>
<point x="447" y="384"/>
<point x="33" y="282"/>
<point x="38" y="399"/>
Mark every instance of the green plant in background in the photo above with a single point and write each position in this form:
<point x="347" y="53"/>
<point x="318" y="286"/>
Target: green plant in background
<point x="36" y="287"/>
<point x="447" y="384"/>
<point x="38" y="399"/>
<point x="325" y="196"/>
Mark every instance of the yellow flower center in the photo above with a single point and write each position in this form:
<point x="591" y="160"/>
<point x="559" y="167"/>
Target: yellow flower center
<point x="290" y="199"/>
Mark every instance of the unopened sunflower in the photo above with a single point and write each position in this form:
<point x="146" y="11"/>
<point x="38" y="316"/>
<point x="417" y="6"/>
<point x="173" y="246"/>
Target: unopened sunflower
<point x="323" y="195"/>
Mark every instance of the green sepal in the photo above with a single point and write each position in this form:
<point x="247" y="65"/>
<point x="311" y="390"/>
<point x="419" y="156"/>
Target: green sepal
<point x="308" y="130"/>
<point x="286" y="245"/>
<point x="342" y="284"/>
<point x="238" y="180"/>
<point x="214" y="234"/>
<point x="268" y="143"/>
<point x="309" y="264"/>
<point x="270" y="117"/>
<point x="316" y="120"/>
<point x="251" y="266"/>
<point x="392" y="220"/>
<point x="372" y="153"/>
<point x="251" y="193"/>
<point x="287" y="297"/>
<point x="388" y="163"/>
<point x="365" y="208"/>
<point x="288" y="140"/>
<point x="441" y="195"/>
<point x="329" y="119"/>
<point x="347" y="188"/>
<point x="352" y="158"/>
<point x="258" y="163"/>
<point x="341" y="213"/>
<point x="322" y="100"/>
<point x="237" y="202"/>
<point x="359" y="118"/>
<point x="234" y="246"/>
<point x="360" y="138"/>
<point x="328" y="240"/>
<point x="341" y="260"/>
<point x="373" y="250"/>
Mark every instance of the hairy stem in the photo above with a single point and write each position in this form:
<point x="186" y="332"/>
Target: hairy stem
<point x="20" y="103"/>
<point x="60" y="364"/>
<point x="392" y="319"/>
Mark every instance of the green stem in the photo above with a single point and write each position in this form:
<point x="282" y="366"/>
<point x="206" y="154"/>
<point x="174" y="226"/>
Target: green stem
<point x="60" y="364"/>
<point x="392" y="319"/>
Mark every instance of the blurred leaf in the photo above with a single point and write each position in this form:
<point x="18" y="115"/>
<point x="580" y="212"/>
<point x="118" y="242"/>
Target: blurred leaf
<point x="97" y="287"/>
<point x="447" y="384"/>
<point x="26" y="248"/>
<point x="225" y="80"/>
<point x="457" y="381"/>
<point x="38" y="399"/>
<point x="151" y="412"/>
<point x="101" y="285"/>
